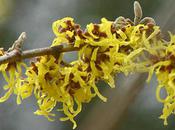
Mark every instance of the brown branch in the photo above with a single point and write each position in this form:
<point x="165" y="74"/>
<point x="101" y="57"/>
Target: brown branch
<point x="108" y="116"/>
<point x="16" y="54"/>
<point x="55" y="50"/>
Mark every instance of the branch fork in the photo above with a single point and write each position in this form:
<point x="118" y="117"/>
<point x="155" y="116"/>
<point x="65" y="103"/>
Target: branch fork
<point x="15" y="53"/>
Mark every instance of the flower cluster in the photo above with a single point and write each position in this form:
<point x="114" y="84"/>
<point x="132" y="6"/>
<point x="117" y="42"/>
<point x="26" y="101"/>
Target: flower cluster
<point x="104" y="50"/>
<point x="12" y="73"/>
<point x="164" y="68"/>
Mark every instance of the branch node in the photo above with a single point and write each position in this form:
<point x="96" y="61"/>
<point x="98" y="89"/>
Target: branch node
<point x="56" y="50"/>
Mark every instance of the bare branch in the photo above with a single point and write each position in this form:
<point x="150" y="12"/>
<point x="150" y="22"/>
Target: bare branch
<point x="55" y="50"/>
<point x="15" y="55"/>
<point x="120" y="99"/>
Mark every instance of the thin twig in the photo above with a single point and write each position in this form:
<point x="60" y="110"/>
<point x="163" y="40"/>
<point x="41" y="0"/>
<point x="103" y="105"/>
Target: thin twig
<point x="46" y="51"/>
<point x="14" y="55"/>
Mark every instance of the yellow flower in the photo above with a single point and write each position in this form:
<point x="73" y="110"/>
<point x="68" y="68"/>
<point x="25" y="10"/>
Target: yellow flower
<point x="12" y="73"/>
<point x="53" y="84"/>
<point x="165" y="72"/>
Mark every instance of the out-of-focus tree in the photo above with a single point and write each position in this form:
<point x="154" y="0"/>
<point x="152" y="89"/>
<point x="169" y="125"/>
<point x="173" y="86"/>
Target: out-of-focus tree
<point x="5" y="10"/>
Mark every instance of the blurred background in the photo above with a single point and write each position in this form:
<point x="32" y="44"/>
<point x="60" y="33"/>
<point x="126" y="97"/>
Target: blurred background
<point x="131" y="105"/>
